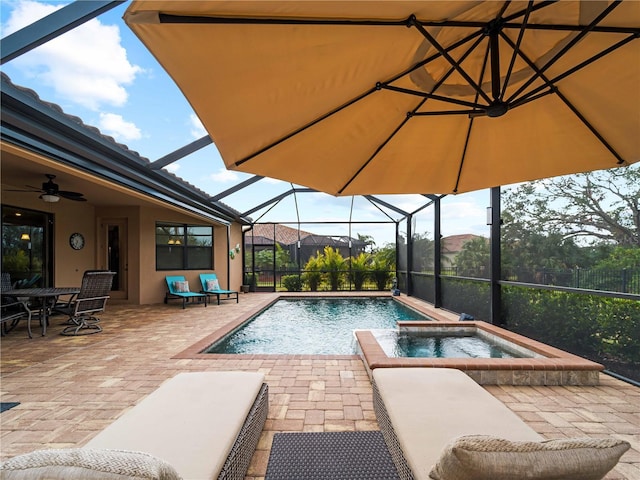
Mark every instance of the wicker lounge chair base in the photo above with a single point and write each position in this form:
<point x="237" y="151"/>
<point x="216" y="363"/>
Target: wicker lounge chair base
<point x="205" y="424"/>
<point x="420" y="410"/>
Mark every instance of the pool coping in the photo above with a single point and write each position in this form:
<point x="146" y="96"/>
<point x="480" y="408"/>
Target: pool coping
<point x="555" y="367"/>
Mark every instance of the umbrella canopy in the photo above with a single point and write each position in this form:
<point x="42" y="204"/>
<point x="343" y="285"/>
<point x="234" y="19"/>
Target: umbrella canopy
<point x="387" y="97"/>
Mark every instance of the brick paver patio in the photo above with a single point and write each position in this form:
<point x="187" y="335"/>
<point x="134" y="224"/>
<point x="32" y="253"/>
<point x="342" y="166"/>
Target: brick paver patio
<point x="69" y="388"/>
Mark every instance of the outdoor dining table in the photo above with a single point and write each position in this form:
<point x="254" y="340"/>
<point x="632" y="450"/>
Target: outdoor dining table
<point x="48" y="297"/>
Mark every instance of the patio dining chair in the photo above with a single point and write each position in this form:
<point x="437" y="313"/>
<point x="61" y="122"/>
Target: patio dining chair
<point x="178" y="288"/>
<point x="12" y="309"/>
<point x="91" y="300"/>
<point x="211" y="286"/>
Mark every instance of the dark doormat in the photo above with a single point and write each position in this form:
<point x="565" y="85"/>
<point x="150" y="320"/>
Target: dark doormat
<point x="330" y="456"/>
<point x="8" y="405"/>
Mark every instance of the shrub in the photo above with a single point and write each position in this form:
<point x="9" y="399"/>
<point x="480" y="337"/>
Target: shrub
<point x="334" y="265"/>
<point x="381" y="273"/>
<point x="313" y="272"/>
<point x="292" y="283"/>
<point x="599" y="328"/>
<point x="359" y="269"/>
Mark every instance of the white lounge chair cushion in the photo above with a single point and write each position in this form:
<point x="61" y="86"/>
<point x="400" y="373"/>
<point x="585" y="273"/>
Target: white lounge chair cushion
<point x="429" y="407"/>
<point x="87" y="464"/>
<point x="191" y="421"/>
<point x="481" y="457"/>
<point x="213" y="285"/>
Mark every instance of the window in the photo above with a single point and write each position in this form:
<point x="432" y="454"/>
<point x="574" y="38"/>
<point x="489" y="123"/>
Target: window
<point x="184" y="247"/>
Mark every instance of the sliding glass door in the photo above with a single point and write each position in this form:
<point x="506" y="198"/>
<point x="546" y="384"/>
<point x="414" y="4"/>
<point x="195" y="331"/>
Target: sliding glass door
<point x="27" y="246"/>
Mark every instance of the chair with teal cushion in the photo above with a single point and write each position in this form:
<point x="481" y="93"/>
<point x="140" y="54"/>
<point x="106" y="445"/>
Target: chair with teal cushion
<point x="178" y="288"/>
<point x="211" y="286"/>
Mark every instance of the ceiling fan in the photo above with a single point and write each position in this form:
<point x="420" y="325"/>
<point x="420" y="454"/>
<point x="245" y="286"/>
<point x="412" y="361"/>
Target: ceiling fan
<point x="51" y="193"/>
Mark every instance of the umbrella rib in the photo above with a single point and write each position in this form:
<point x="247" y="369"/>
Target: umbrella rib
<point x="194" y="19"/>
<point x="471" y="119"/>
<point x="380" y="147"/>
<point x="581" y="117"/>
<point x="436" y="56"/>
<point x="572" y="28"/>
<point x="413" y="112"/>
<point x="565" y="49"/>
<point x="211" y="20"/>
<point x="447" y="112"/>
<point x="430" y="95"/>
<point x="516" y="49"/>
<point x="595" y="132"/>
<point x="304" y="127"/>
<point x="450" y="59"/>
<point x="356" y="99"/>
<point x="573" y="70"/>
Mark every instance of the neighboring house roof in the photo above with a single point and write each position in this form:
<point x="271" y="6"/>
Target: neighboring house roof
<point x="37" y="125"/>
<point x="283" y="235"/>
<point x="263" y="235"/>
<point x="454" y="243"/>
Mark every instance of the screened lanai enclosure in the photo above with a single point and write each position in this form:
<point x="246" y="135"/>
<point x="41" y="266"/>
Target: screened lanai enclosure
<point x="487" y="254"/>
<point x="458" y="252"/>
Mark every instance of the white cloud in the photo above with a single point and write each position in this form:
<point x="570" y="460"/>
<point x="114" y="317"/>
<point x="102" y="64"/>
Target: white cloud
<point x="224" y="176"/>
<point x="464" y="210"/>
<point x="87" y="65"/>
<point x="117" y="127"/>
<point x="172" y="167"/>
<point x="197" y="129"/>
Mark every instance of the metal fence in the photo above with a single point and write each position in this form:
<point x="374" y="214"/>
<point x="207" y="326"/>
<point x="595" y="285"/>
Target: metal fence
<point x="622" y="280"/>
<point x="270" y="280"/>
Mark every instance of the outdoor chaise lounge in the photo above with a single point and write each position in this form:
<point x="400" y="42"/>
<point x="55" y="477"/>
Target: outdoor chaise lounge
<point x="178" y="288"/>
<point x="195" y="426"/>
<point x="439" y="424"/>
<point x="211" y="286"/>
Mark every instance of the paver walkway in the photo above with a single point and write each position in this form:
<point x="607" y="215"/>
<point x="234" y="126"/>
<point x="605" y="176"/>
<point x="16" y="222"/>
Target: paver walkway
<point x="70" y="388"/>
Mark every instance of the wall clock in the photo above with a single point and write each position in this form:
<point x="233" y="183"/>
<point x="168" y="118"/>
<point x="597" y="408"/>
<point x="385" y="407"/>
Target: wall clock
<point x="76" y="240"/>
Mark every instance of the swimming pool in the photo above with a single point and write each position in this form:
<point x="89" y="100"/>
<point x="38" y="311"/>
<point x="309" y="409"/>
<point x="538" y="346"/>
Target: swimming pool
<point x="315" y="326"/>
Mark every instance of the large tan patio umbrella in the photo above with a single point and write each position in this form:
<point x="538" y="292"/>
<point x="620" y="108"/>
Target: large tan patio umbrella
<point x="377" y="97"/>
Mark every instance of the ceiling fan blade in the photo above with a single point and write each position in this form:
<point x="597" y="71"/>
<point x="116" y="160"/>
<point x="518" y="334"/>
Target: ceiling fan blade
<point x="21" y="190"/>
<point x="66" y="193"/>
<point x="78" y="197"/>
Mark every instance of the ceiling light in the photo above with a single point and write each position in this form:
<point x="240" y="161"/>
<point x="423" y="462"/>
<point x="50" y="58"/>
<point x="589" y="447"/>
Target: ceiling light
<point x="50" y="198"/>
<point x="25" y="236"/>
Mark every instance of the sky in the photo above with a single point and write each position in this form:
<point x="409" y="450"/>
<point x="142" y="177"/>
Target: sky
<point x="103" y="74"/>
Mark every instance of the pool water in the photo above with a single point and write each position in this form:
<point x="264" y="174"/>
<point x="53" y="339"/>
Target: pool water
<point x="313" y="326"/>
<point x="402" y="344"/>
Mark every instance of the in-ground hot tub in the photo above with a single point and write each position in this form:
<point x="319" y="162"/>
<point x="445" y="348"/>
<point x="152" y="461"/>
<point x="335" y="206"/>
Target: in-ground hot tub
<point x="533" y="363"/>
